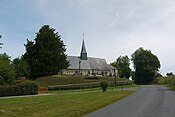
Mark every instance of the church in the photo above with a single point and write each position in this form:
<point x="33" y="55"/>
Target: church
<point x="88" y="66"/>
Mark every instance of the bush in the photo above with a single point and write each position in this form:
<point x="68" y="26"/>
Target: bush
<point x="164" y="80"/>
<point x="29" y="87"/>
<point x="169" y="81"/>
<point x="7" y="70"/>
<point x="24" y="88"/>
<point x="104" y="85"/>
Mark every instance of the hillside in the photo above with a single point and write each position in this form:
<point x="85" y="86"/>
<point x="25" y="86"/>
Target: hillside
<point x="64" y="80"/>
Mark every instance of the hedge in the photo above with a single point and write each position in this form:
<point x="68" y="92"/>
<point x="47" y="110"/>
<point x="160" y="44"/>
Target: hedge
<point x="86" y="85"/>
<point x="74" y="86"/>
<point x="24" y="88"/>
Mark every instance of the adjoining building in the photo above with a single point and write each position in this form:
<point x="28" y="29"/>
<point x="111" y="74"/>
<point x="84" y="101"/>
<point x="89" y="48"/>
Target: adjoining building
<point x="88" y="66"/>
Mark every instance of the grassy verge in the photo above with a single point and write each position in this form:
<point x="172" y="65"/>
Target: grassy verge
<point x="72" y="105"/>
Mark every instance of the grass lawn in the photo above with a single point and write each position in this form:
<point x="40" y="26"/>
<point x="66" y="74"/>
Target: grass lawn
<point x="68" y="105"/>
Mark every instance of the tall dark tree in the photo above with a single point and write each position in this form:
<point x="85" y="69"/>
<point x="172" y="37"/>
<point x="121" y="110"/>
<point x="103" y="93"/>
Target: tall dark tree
<point x="122" y="64"/>
<point x="46" y="56"/>
<point x="146" y="66"/>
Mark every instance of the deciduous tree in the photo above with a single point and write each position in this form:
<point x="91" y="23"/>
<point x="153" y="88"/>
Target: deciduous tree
<point x="122" y="64"/>
<point x="146" y="66"/>
<point x="170" y="74"/>
<point x="7" y="70"/>
<point x="21" y="67"/>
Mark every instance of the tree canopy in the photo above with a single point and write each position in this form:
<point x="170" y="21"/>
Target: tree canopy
<point x="7" y="70"/>
<point x="170" y="74"/>
<point x="122" y="64"/>
<point x="0" y="42"/>
<point x="46" y="55"/>
<point x="146" y="66"/>
<point x="21" y="67"/>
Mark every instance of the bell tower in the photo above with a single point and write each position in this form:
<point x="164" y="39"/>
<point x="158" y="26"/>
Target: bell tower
<point x="83" y="54"/>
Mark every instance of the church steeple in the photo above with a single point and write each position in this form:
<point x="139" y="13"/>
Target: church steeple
<point x="83" y="54"/>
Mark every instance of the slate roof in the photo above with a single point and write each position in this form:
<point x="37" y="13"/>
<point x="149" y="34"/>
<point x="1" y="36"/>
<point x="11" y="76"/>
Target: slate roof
<point x="89" y="64"/>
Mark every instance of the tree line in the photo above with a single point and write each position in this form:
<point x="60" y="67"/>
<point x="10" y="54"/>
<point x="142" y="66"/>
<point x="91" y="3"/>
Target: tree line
<point x="146" y="66"/>
<point x="46" y="55"/>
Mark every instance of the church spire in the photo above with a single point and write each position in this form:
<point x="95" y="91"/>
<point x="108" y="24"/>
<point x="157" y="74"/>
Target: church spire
<point x="83" y="54"/>
<point x="83" y="49"/>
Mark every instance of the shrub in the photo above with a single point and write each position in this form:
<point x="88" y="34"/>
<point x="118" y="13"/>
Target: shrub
<point x="104" y="85"/>
<point x="169" y="81"/>
<point x="24" y="88"/>
<point x="164" y="80"/>
<point x="29" y="87"/>
<point x="7" y="70"/>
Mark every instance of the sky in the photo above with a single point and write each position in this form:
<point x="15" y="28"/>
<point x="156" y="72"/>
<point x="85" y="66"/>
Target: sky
<point x="111" y="28"/>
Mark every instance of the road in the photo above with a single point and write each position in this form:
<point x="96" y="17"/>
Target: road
<point x="148" y="101"/>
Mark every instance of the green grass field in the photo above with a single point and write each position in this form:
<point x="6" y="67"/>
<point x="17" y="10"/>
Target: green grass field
<point x="68" y="105"/>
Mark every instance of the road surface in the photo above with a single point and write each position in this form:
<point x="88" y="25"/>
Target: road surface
<point x="148" y="101"/>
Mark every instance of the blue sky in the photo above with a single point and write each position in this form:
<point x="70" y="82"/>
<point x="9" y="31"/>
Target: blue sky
<point x="111" y="27"/>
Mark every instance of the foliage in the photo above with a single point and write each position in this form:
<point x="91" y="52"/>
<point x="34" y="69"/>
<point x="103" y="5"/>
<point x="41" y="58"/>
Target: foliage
<point x="74" y="86"/>
<point x="158" y="75"/>
<point x="69" y="105"/>
<point x="24" y="88"/>
<point x="0" y="42"/>
<point x="45" y="56"/>
<point x="87" y="85"/>
<point x="170" y="74"/>
<point x="7" y="70"/>
<point x="21" y="66"/>
<point x="170" y="81"/>
<point x="104" y="85"/>
<point x="110" y="88"/>
<point x="122" y="64"/>
<point x="146" y="66"/>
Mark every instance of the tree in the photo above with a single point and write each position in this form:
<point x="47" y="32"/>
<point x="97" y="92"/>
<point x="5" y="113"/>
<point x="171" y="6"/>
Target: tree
<point x="146" y="66"/>
<point x="1" y="43"/>
<point x="122" y="64"/>
<point x="7" y="70"/>
<point x="21" y="66"/>
<point x="170" y="74"/>
<point x="46" y="56"/>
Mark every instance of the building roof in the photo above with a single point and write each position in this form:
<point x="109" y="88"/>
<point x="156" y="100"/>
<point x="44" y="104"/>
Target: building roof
<point x="86" y="63"/>
<point x="90" y="63"/>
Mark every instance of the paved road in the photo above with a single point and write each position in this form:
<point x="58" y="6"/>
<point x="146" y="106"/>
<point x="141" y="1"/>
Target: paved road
<point x="148" y="101"/>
